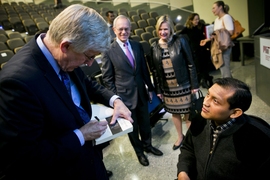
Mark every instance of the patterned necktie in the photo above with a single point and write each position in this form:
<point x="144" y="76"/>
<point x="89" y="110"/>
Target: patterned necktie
<point x="129" y="55"/>
<point x="65" y="79"/>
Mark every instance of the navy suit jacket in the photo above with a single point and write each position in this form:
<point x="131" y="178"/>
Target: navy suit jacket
<point x="38" y="117"/>
<point x="124" y="80"/>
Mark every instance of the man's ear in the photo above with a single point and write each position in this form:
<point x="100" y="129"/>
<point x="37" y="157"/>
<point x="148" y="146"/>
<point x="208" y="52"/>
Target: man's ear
<point x="236" y="113"/>
<point x="64" y="45"/>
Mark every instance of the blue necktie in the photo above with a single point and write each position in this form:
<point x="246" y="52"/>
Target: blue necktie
<point x="65" y="79"/>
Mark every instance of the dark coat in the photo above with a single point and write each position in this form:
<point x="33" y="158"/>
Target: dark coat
<point x="38" y="117"/>
<point x="240" y="152"/>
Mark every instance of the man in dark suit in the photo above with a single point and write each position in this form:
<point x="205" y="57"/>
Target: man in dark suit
<point x="125" y="72"/>
<point x="44" y="93"/>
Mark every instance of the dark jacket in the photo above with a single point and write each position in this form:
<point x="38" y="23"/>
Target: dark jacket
<point x="241" y="151"/>
<point x="182" y="59"/>
<point x="38" y="117"/>
<point x="124" y="80"/>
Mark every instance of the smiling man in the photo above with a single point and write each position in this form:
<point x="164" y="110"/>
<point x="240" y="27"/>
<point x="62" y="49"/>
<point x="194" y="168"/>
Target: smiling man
<point x="224" y="143"/>
<point x="125" y="72"/>
<point x="46" y="131"/>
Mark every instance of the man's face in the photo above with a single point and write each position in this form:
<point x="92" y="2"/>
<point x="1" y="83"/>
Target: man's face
<point x="111" y="18"/>
<point x="215" y="105"/>
<point x="122" y="29"/>
<point x="68" y="59"/>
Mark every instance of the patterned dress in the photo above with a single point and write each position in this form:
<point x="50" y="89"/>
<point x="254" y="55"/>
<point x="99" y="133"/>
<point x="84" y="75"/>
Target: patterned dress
<point x="177" y="97"/>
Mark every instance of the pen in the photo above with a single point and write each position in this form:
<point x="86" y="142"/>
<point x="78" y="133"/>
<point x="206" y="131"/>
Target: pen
<point x="97" y="118"/>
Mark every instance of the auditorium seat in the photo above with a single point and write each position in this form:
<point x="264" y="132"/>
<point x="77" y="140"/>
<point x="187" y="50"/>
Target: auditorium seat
<point x="153" y="39"/>
<point x="144" y="16"/>
<point x="5" y="55"/>
<point x="146" y="47"/>
<point x="135" y="38"/>
<point x="140" y="11"/>
<point x="131" y="13"/>
<point x="146" y="36"/>
<point x="135" y="18"/>
<point x="151" y="21"/>
<point x="3" y="38"/>
<point x="149" y="29"/>
<point x="138" y="32"/>
<point x="153" y="14"/>
<point x="12" y="35"/>
<point x="3" y="46"/>
<point x="15" y="42"/>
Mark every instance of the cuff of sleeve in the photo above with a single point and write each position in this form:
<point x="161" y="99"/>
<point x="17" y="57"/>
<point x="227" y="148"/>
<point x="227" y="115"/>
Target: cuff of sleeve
<point x="113" y="98"/>
<point x="80" y="136"/>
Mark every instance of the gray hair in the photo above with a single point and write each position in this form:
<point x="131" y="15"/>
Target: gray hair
<point x="83" y="27"/>
<point x="121" y="17"/>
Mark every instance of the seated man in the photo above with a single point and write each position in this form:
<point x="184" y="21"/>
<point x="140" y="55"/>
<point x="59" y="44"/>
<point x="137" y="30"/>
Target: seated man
<point x="223" y="142"/>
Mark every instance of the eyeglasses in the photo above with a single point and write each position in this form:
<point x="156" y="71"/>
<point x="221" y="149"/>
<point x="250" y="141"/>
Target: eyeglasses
<point x="122" y="29"/>
<point x="89" y="58"/>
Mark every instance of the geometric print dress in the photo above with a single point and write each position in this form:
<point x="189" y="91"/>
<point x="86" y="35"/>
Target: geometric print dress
<point x="177" y="97"/>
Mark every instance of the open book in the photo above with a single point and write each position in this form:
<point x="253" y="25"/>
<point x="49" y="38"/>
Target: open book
<point x="120" y="128"/>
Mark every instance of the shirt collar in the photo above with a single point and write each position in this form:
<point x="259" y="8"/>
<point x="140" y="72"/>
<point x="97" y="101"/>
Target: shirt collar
<point x="121" y="44"/>
<point x="47" y="53"/>
<point x="223" y="126"/>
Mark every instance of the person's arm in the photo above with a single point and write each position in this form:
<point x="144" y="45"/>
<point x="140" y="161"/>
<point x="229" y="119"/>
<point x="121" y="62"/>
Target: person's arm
<point x="120" y="110"/>
<point x="183" y="176"/>
<point x="204" y="41"/>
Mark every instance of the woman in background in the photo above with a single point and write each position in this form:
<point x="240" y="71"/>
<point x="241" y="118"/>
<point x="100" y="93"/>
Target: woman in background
<point x="174" y="73"/>
<point x="194" y="29"/>
<point x="223" y="21"/>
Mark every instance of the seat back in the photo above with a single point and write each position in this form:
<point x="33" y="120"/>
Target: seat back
<point x="135" y="38"/>
<point x="13" y="35"/>
<point x="149" y="29"/>
<point x="151" y="21"/>
<point x="146" y="36"/>
<point x="135" y="18"/>
<point x="138" y="32"/>
<point x="153" y="14"/>
<point x="142" y="23"/>
<point x="144" y="15"/>
<point x="3" y="38"/>
<point x="5" y="55"/>
<point x="153" y="39"/>
<point x="3" y="46"/>
<point x="146" y="47"/>
<point x="93" y="72"/>
<point x="15" y="42"/>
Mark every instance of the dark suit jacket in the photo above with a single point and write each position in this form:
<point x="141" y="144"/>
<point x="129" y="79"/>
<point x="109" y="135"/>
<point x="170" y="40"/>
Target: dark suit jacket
<point x="120" y="77"/>
<point x="38" y="117"/>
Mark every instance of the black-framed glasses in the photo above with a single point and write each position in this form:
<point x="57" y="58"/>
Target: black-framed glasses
<point x="89" y="58"/>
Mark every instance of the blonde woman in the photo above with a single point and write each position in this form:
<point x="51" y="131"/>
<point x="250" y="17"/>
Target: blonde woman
<point x="174" y="73"/>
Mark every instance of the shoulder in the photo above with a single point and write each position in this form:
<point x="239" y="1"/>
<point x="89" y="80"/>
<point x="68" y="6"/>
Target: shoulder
<point x="258" y="123"/>
<point x="198" y="124"/>
<point x="227" y="16"/>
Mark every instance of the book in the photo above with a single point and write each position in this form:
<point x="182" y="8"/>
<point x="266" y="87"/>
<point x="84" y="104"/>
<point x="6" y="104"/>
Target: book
<point x="121" y="127"/>
<point x="209" y="29"/>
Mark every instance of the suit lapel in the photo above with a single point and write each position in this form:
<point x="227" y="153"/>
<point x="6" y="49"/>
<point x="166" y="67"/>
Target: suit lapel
<point x="53" y="79"/>
<point x="118" y="50"/>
